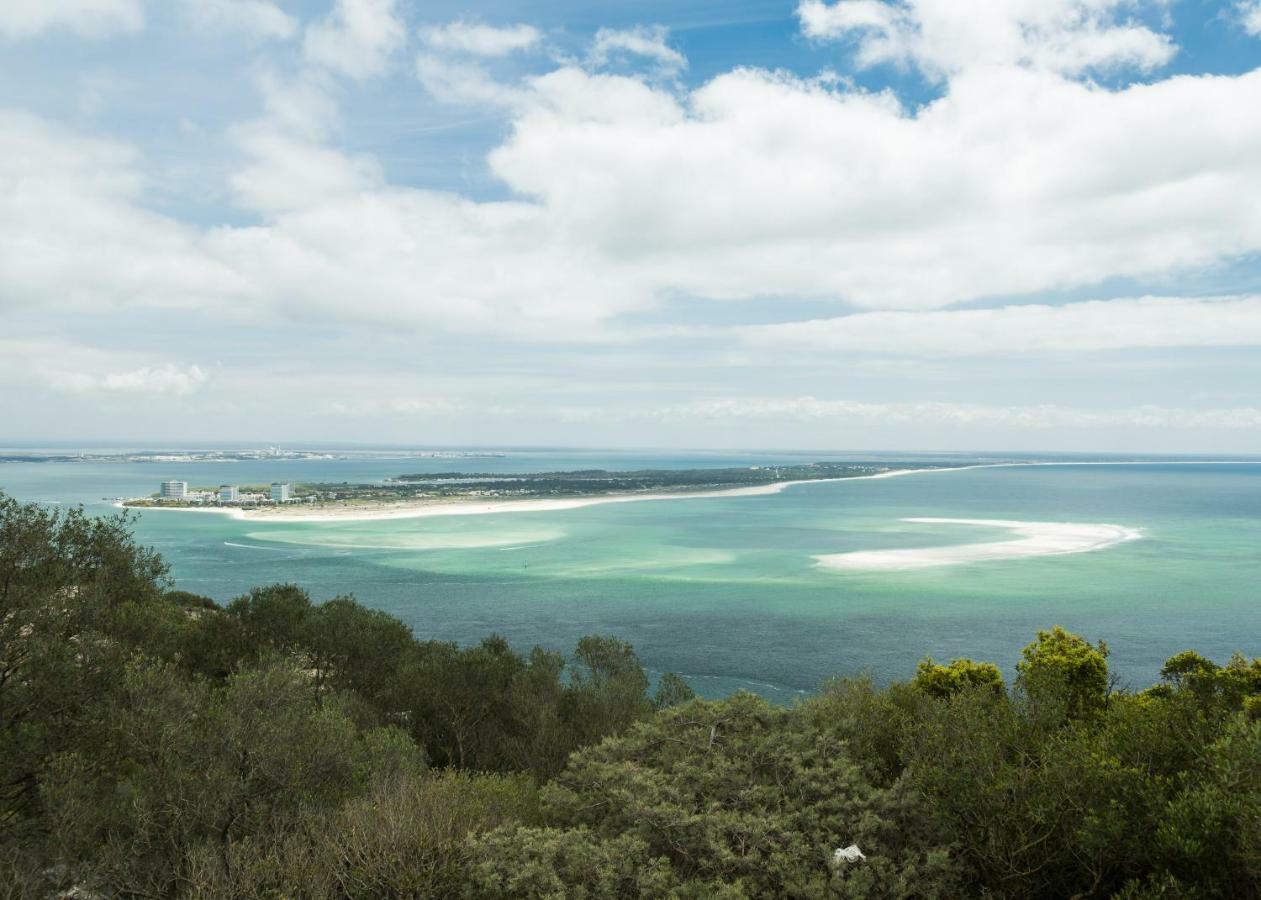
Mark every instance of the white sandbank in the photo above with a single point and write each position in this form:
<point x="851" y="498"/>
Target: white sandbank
<point x="1035" y="539"/>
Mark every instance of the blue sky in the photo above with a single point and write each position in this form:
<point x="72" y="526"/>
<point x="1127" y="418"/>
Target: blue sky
<point x="929" y="224"/>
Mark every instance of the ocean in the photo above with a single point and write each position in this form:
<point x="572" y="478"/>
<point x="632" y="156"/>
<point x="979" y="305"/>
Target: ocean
<point x="727" y="591"/>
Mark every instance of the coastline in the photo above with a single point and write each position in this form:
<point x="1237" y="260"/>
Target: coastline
<point x="426" y="509"/>
<point x="1033" y="539"/>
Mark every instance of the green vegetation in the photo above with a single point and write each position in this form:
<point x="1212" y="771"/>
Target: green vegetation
<point x="154" y="744"/>
<point x="595" y="482"/>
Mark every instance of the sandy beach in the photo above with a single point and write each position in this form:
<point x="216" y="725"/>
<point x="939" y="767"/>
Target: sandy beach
<point x="416" y="509"/>
<point x="1034" y="539"/>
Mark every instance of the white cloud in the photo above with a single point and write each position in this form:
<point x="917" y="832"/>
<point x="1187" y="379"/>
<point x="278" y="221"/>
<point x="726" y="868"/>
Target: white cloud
<point x="339" y="241"/>
<point x="641" y="41"/>
<point x="966" y="415"/>
<point x="71" y="368"/>
<point x="77" y="234"/>
<point x="758" y="184"/>
<point x="1250" y="16"/>
<point x="943" y="37"/>
<point x="754" y="185"/>
<point x="260" y="18"/>
<point x="89" y="18"/>
<point x="1144" y="322"/>
<point x="480" y="40"/>
<point x="357" y="38"/>
<point x="162" y="380"/>
<point x="463" y="82"/>
<point x="451" y="68"/>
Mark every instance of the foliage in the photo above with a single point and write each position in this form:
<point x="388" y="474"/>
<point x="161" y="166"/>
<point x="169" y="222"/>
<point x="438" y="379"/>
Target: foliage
<point x="1064" y="675"/>
<point x="74" y="591"/>
<point x="942" y="681"/>
<point x="155" y="744"/>
<point x="740" y="795"/>
<point x="541" y="863"/>
<point x="407" y="837"/>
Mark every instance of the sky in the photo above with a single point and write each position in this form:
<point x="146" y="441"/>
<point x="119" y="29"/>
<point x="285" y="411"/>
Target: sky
<point x="819" y="224"/>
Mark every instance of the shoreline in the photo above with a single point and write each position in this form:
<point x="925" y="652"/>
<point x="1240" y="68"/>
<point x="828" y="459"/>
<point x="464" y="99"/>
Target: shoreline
<point x="426" y="509"/>
<point x="1033" y="539"/>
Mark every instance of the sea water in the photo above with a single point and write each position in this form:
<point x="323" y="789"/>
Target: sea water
<point x="727" y="591"/>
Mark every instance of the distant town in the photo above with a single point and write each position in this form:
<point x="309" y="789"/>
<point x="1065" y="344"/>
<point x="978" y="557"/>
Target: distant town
<point x="179" y="494"/>
<point x="227" y="456"/>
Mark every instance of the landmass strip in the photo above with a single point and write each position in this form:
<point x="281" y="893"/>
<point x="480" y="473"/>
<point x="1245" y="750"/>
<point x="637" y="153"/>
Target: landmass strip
<point x="1035" y="539"/>
<point x="463" y="493"/>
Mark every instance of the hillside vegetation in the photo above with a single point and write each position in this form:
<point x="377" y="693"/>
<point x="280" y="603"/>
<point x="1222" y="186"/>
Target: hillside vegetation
<point x="154" y="744"/>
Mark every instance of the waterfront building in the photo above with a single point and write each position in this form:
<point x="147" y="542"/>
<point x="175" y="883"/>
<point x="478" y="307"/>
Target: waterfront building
<point x="174" y="490"/>
<point x="281" y="491"/>
<point x="229" y="493"/>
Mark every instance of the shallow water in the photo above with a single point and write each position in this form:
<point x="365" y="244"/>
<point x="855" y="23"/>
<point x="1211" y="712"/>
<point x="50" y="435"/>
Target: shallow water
<point x="726" y="590"/>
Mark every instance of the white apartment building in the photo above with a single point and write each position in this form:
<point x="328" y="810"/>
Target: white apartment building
<point x="174" y="490"/>
<point x="229" y="493"/>
<point x="281" y="491"/>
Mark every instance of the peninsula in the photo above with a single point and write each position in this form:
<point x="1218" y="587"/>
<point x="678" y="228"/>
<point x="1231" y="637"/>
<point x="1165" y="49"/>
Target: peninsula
<point x="456" y="493"/>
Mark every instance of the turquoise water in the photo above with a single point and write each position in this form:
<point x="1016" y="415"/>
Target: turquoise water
<point x="725" y="590"/>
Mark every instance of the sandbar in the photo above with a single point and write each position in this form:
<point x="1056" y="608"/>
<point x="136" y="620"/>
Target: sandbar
<point x="1033" y="539"/>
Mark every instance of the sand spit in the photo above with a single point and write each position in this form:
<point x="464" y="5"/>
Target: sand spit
<point x="424" y="508"/>
<point x="416" y="509"/>
<point x="1033" y="539"/>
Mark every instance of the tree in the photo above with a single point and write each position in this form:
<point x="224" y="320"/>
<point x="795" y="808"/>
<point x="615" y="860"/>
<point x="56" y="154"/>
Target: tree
<point x="740" y="795"/>
<point x="75" y="594"/>
<point x="189" y="767"/>
<point x="355" y="648"/>
<point x="1212" y="828"/>
<point x="1063" y="675"/>
<point x="610" y="689"/>
<point x="672" y="690"/>
<point x="274" y="618"/>
<point x="961" y="674"/>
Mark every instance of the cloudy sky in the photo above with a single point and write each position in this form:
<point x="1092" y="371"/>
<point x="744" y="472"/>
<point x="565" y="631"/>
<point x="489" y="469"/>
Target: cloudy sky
<point x="914" y="224"/>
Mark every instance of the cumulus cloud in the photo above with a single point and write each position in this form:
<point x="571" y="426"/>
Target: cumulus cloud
<point x="480" y="40"/>
<point x="1144" y="322"/>
<point x="1250" y="16"/>
<point x="647" y="42"/>
<point x="78" y="235"/>
<point x="162" y="380"/>
<point x="259" y="18"/>
<point x="942" y="37"/>
<point x="759" y="184"/>
<point x="88" y="18"/>
<point x="752" y="185"/>
<point x="338" y="241"/>
<point x="72" y="368"/>
<point x="357" y="38"/>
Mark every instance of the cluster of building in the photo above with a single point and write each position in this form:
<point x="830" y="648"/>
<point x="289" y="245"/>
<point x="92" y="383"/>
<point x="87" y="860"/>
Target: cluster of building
<point x="227" y="494"/>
